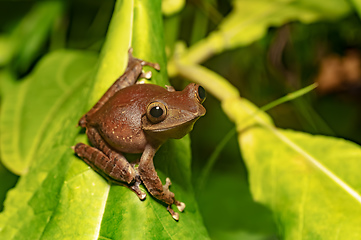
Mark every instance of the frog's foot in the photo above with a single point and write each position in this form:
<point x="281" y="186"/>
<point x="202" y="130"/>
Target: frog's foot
<point x="135" y="188"/>
<point x="175" y="215"/>
<point x="154" y="185"/>
<point x="180" y="205"/>
<point x="170" y="88"/>
<point x="166" y="186"/>
<point x="146" y="75"/>
<point x="150" y="64"/>
<point x="142" y="62"/>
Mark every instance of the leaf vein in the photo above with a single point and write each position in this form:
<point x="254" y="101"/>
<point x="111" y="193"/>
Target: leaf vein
<point x="61" y="70"/>
<point x="49" y="117"/>
<point x="353" y="193"/>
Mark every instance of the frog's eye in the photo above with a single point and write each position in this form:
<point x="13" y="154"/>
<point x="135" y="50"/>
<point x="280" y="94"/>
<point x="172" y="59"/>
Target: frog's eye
<point x="201" y="94"/>
<point x="156" y="112"/>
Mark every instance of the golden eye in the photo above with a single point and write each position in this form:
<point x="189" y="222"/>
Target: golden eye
<point x="201" y="94"/>
<point x="156" y="112"/>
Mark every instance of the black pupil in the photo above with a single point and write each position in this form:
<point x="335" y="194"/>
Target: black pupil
<point x="201" y="93"/>
<point x="156" y="112"/>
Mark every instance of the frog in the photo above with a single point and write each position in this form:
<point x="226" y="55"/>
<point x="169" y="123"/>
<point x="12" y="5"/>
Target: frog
<point x="132" y="118"/>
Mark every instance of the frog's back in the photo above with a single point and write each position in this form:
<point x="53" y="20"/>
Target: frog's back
<point x="119" y="122"/>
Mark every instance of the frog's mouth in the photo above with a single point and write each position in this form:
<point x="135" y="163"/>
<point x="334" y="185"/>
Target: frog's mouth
<point x="177" y="131"/>
<point x="172" y="127"/>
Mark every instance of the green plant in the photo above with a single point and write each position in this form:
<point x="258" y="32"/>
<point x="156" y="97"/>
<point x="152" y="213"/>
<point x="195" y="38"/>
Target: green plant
<point x="308" y="182"/>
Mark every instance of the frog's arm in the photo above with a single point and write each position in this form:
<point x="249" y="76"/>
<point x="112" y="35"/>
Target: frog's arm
<point x="154" y="185"/>
<point x="132" y="73"/>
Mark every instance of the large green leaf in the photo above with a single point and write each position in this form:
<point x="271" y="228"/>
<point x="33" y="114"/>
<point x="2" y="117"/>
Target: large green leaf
<point x="172" y="160"/>
<point x="58" y="195"/>
<point x="310" y="182"/>
<point x="31" y="106"/>
<point x="45" y="108"/>
<point x="35" y="27"/>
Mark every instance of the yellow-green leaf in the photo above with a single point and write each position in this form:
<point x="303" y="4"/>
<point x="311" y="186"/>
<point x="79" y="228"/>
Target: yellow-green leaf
<point x="310" y="182"/>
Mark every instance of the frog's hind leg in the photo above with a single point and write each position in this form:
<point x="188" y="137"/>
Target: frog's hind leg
<point x="94" y="158"/>
<point x="132" y="73"/>
<point x="122" y="169"/>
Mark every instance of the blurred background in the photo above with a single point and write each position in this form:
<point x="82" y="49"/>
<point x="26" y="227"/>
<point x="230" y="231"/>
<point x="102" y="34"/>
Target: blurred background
<point x="284" y="59"/>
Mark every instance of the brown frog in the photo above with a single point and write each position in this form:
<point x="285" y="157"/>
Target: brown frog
<point x="138" y="118"/>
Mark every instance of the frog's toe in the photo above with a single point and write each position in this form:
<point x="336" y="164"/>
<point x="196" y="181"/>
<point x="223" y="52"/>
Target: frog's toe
<point x="146" y="75"/>
<point x="156" y="66"/>
<point x="142" y="195"/>
<point x="135" y="188"/>
<point x="181" y="206"/>
<point x="174" y="214"/>
<point x="168" y="182"/>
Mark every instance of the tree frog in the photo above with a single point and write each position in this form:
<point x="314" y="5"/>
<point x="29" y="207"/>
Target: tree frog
<point x="138" y="118"/>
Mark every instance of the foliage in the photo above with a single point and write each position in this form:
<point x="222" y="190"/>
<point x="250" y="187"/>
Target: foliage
<point x="287" y="184"/>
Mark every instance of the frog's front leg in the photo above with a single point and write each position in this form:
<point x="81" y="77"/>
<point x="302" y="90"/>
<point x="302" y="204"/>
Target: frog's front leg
<point x="154" y="185"/>
<point x="132" y="73"/>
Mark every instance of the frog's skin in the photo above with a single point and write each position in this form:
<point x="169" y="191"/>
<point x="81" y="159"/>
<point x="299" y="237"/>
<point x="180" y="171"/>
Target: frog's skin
<point x="138" y="118"/>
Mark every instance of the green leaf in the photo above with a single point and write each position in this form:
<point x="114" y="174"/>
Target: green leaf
<point x="6" y="49"/>
<point x="114" y="54"/>
<point x="39" y="125"/>
<point x="309" y="182"/>
<point x="58" y="195"/>
<point x="7" y="181"/>
<point x="7" y="81"/>
<point x="35" y="27"/>
<point x="29" y="108"/>
<point x="170" y="7"/>
<point x="148" y="15"/>
<point x="152" y="216"/>
<point x="249" y="21"/>
<point x="357" y="6"/>
<point x="232" y="212"/>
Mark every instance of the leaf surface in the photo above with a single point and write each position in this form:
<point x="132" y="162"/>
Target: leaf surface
<point x="35" y="27"/>
<point x="172" y="160"/>
<point x="44" y="121"/>
<point x="310" y="182"/>
<point x="58" y="195"/>
<point x="30" y="107"/>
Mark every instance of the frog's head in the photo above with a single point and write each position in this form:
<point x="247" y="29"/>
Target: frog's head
<point x="173" y="114"/>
